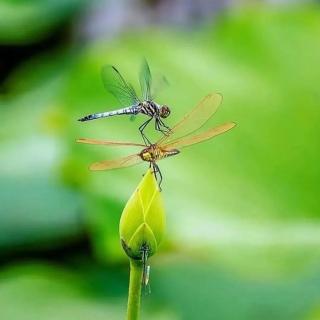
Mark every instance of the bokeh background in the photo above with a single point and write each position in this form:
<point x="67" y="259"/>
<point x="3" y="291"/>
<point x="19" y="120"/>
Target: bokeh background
<point x="243" y="228"/>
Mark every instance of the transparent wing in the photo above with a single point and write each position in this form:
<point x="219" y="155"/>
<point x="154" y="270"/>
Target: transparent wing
<point x="195" y="119"/>
<point x="116" y="163"/>
<point x="187" y="141"/>
<point x="117" y="86"/>
<point x="145" y="80"/>
<point x="109" y="143"/>
<point x="159" y="82"/>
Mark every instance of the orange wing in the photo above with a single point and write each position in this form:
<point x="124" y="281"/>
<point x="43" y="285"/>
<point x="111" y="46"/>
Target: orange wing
<point x="110" y="143"/>
<point x="195" y="119"/>
<point x="187" y="141"/>
<point x="116" y="163"/>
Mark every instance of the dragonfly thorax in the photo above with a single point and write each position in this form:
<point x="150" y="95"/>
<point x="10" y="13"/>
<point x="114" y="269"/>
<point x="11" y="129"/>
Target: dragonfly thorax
<point x="154" y="110"/>
<point x="151" y="153"/>
<point x="150" y="108"/>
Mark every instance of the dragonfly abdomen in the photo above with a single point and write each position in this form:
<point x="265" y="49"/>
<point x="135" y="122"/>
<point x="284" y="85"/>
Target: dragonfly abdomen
<point x="128" y="110"/>
<point x="169" y="153"/>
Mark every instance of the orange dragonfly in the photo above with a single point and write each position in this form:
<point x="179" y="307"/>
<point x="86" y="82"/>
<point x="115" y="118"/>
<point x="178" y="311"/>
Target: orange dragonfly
<point x="181" y="135"/>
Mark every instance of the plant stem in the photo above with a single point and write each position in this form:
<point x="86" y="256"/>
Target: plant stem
<point x="133" y="309"/>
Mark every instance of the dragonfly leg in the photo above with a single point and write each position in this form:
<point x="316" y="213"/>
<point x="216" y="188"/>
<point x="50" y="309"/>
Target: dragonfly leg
<point x="141" y="129"/>
<point x="159" y="124"/>
<point x="163" y="124"/>
<point x="156" y="171"/>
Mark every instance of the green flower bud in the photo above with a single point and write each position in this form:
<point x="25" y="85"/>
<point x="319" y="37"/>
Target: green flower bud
<point x="142" y="223"/>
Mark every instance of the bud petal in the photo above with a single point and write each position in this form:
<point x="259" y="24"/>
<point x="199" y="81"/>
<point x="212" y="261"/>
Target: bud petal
<point x="143" y="219"/>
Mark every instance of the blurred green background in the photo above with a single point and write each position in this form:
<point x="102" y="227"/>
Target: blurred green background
<point x="242" y="210"/>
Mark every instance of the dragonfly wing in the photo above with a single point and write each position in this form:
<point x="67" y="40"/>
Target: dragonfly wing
<point x="145" y="80"/>
<point x="187" y="141"/>
<point x="159" y="82"/>
<point x="115" y="83"/>
<point x="195" y="119"/>
<point x="109" y="143"/>
<point x="116" y="163"/>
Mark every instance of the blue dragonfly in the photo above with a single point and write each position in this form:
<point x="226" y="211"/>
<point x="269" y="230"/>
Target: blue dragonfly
<point x="132" y="104"/>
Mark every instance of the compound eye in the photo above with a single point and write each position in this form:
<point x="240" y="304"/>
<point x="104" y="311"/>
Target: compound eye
<point x="165" y="111"/>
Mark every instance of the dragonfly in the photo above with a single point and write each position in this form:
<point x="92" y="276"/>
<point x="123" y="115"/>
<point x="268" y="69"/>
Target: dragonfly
<point x="115" y="83"/>
<point x="183" y="134"/>
<point x="145" y="268"/>
<point x="143" y="256"/>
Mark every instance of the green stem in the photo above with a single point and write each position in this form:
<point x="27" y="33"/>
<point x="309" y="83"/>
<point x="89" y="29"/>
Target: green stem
<point x="133" y="309"/>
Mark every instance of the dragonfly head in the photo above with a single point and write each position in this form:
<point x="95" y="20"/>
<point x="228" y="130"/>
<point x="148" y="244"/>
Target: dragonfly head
<point x="164" y="111"/>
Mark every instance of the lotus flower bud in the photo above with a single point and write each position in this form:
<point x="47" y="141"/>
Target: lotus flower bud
<point x="142" y="223"/>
